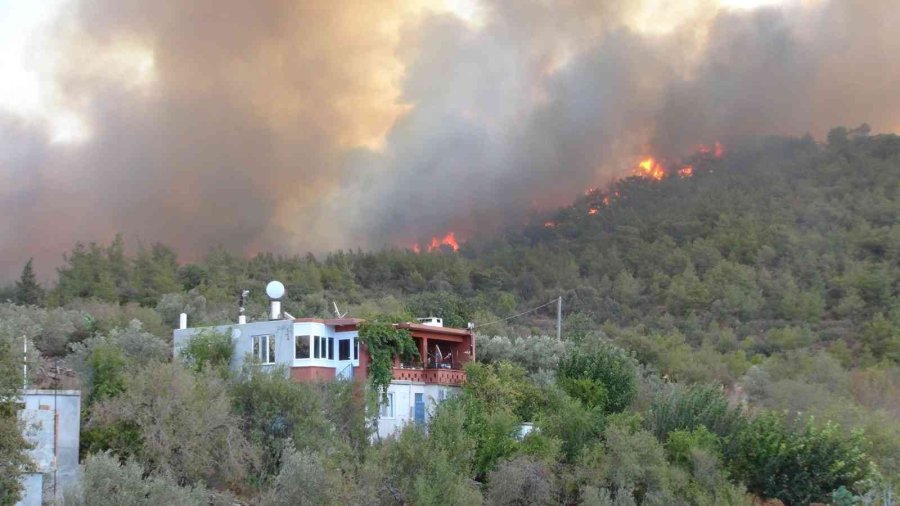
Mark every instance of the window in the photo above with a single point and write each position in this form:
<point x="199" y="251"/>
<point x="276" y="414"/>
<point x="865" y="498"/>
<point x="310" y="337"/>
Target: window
<point x="321" y="348"/>
<point x="356" y="351"/>
<point x="387" y="408"/>
<point x="301" y="348"/>
<point x="264" y="349"/>
<point x="344" y="349"/>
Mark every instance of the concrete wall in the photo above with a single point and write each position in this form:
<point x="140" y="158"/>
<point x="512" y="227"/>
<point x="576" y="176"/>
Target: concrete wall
<point x="242" y="340"/>
<point x="284" y="332"/>
<point x="32" y="489"/>
<point x="52" y="421"/>
<point x="404" y="395"/>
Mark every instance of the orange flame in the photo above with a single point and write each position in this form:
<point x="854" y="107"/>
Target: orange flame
<point x="686" y="171"/>
<point x="447" y="240"/>
<point x="550" y="224"/>
<point x="717" y="150"/>
<point x="437" y="242"/>
<point x="592" y="211"/>
<point x="650" y="169"/>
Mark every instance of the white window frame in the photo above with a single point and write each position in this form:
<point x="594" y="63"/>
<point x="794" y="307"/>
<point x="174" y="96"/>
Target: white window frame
<point x="309" y="347"/>
<point x="264" y="345"/>
<point x="387" y="409"/>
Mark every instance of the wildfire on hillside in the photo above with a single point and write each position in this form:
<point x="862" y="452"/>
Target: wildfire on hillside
<point x="654" y="169"/>
<point x="437" y="242"/>
<point x="650" y="169"/>
<point x="596" y="198"/>
<point x="717" y="150"/>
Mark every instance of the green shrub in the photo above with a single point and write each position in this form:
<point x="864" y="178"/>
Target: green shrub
<point x="802" y="464"/>
<point x="520" y="482"/>
<point x="599" y="375"/>
<point x="208" y="349"/>
<point x="106" y="482"/>
<point x="682" y="442"/>
<point x="690" y="408"/>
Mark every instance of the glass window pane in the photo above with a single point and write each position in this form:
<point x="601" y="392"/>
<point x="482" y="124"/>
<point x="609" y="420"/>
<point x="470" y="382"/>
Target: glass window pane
<point x="330" y="348"/>
<point x="256" y="346"/>
<point x="271" y="357"/>
<point x="344" y="349"/>
<point x="301" y="348"/>
<point x="316" y="347"/>
<point x="356" y="351"/>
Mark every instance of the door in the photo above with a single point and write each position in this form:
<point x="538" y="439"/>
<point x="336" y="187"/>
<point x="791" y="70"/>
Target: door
<point x="345" y="362"/>
<point x="419" y="410"/>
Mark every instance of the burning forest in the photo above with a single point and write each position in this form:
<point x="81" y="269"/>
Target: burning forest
<point x="524" y="241"/>
<point x="309" y="127"/>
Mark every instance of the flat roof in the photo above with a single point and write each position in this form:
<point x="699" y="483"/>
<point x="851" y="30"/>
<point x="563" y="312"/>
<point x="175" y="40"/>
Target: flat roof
<point x="419" y="327"/>
<point x="35" y="391"/>
<point x="330" y="321"/>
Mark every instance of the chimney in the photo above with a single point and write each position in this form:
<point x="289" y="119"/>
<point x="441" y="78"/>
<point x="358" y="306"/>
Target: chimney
<point x="275" y="313"/>
<point x="182" y="321"/>
<point x="242" y="318"/>
<point x="275" y="291"/>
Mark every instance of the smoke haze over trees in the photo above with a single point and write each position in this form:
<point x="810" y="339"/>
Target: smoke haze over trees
<point x="723" y="334"/>
<point x="293" y="127"/>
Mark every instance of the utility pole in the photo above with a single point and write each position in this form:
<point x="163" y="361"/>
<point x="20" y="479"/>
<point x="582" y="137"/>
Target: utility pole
<point x="559" y="318"/>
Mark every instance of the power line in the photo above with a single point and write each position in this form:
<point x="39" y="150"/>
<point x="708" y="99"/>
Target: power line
<point x="554" y="301"/>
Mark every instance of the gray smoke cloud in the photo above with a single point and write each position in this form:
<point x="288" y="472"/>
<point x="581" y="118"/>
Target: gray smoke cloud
<point x="295" y="127"/>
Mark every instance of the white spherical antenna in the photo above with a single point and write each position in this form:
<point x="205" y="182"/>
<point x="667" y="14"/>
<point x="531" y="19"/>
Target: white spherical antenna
<point x="275" y="290"/>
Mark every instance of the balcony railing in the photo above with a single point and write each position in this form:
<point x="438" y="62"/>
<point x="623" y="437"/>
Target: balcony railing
<point x="437" y="376"/>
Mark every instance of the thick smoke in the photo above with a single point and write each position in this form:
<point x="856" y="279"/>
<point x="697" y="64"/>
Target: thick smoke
<point x="307" y="126"/>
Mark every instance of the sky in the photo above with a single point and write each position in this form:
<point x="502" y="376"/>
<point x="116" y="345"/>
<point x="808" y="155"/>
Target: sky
<point x="295" y="126"/>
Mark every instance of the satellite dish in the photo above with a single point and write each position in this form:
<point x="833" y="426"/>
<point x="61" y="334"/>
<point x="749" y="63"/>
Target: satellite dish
<point x="275" y="290"/>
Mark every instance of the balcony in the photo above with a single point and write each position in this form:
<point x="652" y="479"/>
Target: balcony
<point x="430" y="375"/>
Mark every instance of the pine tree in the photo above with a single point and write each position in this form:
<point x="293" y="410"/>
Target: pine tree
<point x="28" y="291"/>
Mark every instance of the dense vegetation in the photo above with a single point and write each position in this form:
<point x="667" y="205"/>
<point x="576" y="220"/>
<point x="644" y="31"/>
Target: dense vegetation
<point x="733" y="332"/>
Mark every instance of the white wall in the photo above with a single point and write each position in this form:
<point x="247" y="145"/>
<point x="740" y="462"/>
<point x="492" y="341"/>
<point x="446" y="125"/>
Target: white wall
<point x="242" y="340"/>
<point x="284" y="332"/>
<point x="52" y="423"/>
<point x="404" y="396"/>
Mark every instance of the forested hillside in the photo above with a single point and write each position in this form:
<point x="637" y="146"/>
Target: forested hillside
<point x="729" y="331"/>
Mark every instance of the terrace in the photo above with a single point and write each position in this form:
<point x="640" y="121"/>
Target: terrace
<point x="444" y="351"/>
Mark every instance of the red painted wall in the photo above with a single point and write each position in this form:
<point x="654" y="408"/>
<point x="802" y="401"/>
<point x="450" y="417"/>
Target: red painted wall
<point x="311" y="374"/>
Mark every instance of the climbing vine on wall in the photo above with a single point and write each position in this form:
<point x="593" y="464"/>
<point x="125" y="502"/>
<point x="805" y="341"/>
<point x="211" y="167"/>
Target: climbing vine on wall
<point x="384" y="341"/>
